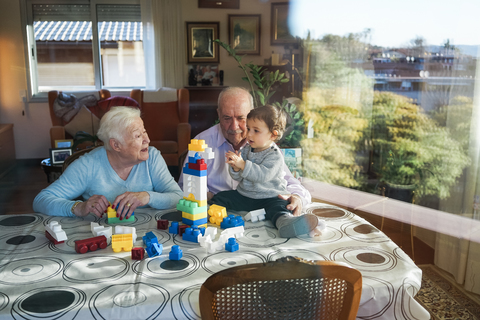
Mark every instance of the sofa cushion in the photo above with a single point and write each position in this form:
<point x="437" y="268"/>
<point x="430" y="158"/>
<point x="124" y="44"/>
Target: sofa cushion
<point x="83" y="121"/>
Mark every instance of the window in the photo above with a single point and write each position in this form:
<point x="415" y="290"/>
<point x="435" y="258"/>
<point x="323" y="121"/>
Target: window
<point x="84" y="45"/>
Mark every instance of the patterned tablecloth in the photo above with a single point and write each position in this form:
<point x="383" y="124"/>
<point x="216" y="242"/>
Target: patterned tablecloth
<point x="40" y="280"/>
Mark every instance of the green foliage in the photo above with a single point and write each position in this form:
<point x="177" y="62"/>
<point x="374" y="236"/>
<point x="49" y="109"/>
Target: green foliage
<point x="295" y="127"/>
<point x="411" y="148"/>
<point x="255" y="77"/>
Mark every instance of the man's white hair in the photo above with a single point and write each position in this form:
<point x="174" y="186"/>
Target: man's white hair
<point x="115" y="123"/>
<point x="234" y="91"/>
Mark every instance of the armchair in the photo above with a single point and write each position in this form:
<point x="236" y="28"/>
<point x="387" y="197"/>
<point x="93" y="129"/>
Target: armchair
<point x="57" y="131"/>
<point x="165" y="116"/>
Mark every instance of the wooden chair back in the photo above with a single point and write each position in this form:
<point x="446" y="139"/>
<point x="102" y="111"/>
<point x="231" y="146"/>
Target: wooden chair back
<point x="282" y="290"/>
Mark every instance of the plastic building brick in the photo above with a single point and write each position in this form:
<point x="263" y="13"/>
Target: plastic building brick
<point x="217" y="213"/>
<point x="237" y="232"/>
<point x="201" y="215"/>
<point x="196" y="222"/>
<point x="162" y="224"/>
<point x="55" y="230"/>
<point x="112" y="216"/>
<point x="231" y="245"/>
<point x="232" y="221"/>
<point x="98" y="230"/>
<point x="191" y="197"/>
<point x="173" y="228"/>
<point x="154" y="250"/>
<point x="182" y="228"/>
<point x="192" y="234"/>
<point x="199" y="165"/>
<point x="197" y="187"/>
<point x="255" y="215"/>
<point x="175" y="253"/>
<point x="149" y="238"/>
<point x="51" y="238"/>
<point x="90" y="244"/>
<point x="127" y="230"/>
<point x="189" y="207"/>
<point x="198" y="173"/>
<point x="197" y="145"/>
<point x="122" y="242"/>
<point x="138" y="253"/>
<point x="210" y="233"/>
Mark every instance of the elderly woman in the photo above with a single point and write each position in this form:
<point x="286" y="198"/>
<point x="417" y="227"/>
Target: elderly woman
<point x="125" y="171"/>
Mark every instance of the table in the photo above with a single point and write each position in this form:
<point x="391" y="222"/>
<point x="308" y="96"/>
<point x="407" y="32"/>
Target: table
<point x="40" y="280"/>
<point x="53" y="171"/>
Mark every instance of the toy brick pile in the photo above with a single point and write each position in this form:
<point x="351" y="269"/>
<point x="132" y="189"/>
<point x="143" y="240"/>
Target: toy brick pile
<point x="195" y="214"/>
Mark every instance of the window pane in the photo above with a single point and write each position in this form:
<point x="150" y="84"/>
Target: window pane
<point x="121" y="48"/>
<point x="392" y="109"/>
<point x="63" y="40"/>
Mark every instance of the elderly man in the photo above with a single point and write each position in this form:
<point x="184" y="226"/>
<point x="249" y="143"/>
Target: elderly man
<point x="230" y="134"/>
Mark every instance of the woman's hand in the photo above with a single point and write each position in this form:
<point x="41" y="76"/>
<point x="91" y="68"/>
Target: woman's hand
<point x="235" y="160"/>
<point x="128" y="202"/>
<point x="96" y="204"/>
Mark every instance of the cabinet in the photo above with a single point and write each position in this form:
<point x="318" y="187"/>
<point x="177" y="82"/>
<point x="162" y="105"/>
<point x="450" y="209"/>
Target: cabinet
<point x="203" y="107"/>
<point x="7" y="149"/>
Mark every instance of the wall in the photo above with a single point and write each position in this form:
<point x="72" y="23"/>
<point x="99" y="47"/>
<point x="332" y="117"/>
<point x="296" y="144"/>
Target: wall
<point x="31" y="130"/>
<point x="233" y="74"/>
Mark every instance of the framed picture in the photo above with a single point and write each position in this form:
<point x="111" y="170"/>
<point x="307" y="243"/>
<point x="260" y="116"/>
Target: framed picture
<point x="200" y="45"/>
<point x="223" y="4"/>
<point x="244" y="33"/>
<point x="64" y="143"/>
<point x="59" y="155"/>
<point x="279" y="30"/>
<point x="204" y="74"/>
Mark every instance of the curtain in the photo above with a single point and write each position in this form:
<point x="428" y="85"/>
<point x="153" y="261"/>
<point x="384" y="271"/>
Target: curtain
<point x="461" y="257"/>
<point x="164" y="29"/>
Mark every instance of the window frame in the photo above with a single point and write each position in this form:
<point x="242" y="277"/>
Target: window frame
<point x="30" y="48"/>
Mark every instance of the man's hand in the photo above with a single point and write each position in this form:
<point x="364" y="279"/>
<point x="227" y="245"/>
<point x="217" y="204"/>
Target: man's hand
<point x="96" y="204"/>
<point x="295" y="204"/>
<point x="129" y="201"/>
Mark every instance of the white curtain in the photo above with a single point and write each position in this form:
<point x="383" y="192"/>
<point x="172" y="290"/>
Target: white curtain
<point x="165" y="45"/>
<point x="461" y="257"/>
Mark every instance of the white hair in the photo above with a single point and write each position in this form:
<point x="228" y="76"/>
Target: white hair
<point x="114" y="124"/>
<point x="235" y="91"/>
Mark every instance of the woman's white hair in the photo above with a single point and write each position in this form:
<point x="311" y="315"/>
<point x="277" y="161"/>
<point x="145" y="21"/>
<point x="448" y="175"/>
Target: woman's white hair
<point x="115" y="123"/>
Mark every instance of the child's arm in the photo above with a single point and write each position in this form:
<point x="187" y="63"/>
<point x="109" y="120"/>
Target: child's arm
<point x="235" y="161"/>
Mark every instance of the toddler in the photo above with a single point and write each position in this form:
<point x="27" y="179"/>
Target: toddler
<point x="259" y="170"/>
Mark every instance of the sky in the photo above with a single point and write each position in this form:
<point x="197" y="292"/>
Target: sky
<point x="392" y="23"/>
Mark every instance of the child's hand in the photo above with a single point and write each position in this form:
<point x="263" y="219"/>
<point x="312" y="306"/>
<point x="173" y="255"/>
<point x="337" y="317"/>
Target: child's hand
<point x="235" y="160"/>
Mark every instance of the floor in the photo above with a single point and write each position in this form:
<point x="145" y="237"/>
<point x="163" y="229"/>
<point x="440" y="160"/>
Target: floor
<point x="19" y="187"/>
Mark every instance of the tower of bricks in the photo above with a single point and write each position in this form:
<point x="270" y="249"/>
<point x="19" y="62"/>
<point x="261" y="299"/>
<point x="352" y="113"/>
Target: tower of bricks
<point x="194" y="202"/>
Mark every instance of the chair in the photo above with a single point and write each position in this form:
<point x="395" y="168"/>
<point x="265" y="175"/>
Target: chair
<point x="284" y="289"/>
<point x="57" y="131"/>
<point x="75" y="156"/>
<point x="165" y="116"/>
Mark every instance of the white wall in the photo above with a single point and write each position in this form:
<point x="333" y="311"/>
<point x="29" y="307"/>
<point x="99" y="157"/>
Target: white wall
<point x="31" y="130"/>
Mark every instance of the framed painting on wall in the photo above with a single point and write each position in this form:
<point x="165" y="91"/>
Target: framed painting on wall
<point x="279" y="30"/>
<point x="244" y="33"/>
<point x="200" y="45"/>
<point x="223" y="4"/>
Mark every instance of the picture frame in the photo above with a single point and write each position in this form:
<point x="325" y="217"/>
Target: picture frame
<point x="67" y="143"/>
<point x="200" y="45"/>
<point x="59" y="155"/>
<point x="204" y="74"/>
<point x="244" y="33"/>
<point x="223" y="4"/>
<point x="279" y="31"/>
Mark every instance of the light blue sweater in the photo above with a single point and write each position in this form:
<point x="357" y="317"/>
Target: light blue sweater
<point x="92" y="174"/>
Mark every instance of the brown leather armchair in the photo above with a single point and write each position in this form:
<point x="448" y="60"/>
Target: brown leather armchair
<point x="57" y="131"/>
<point x="166" y="123"/>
